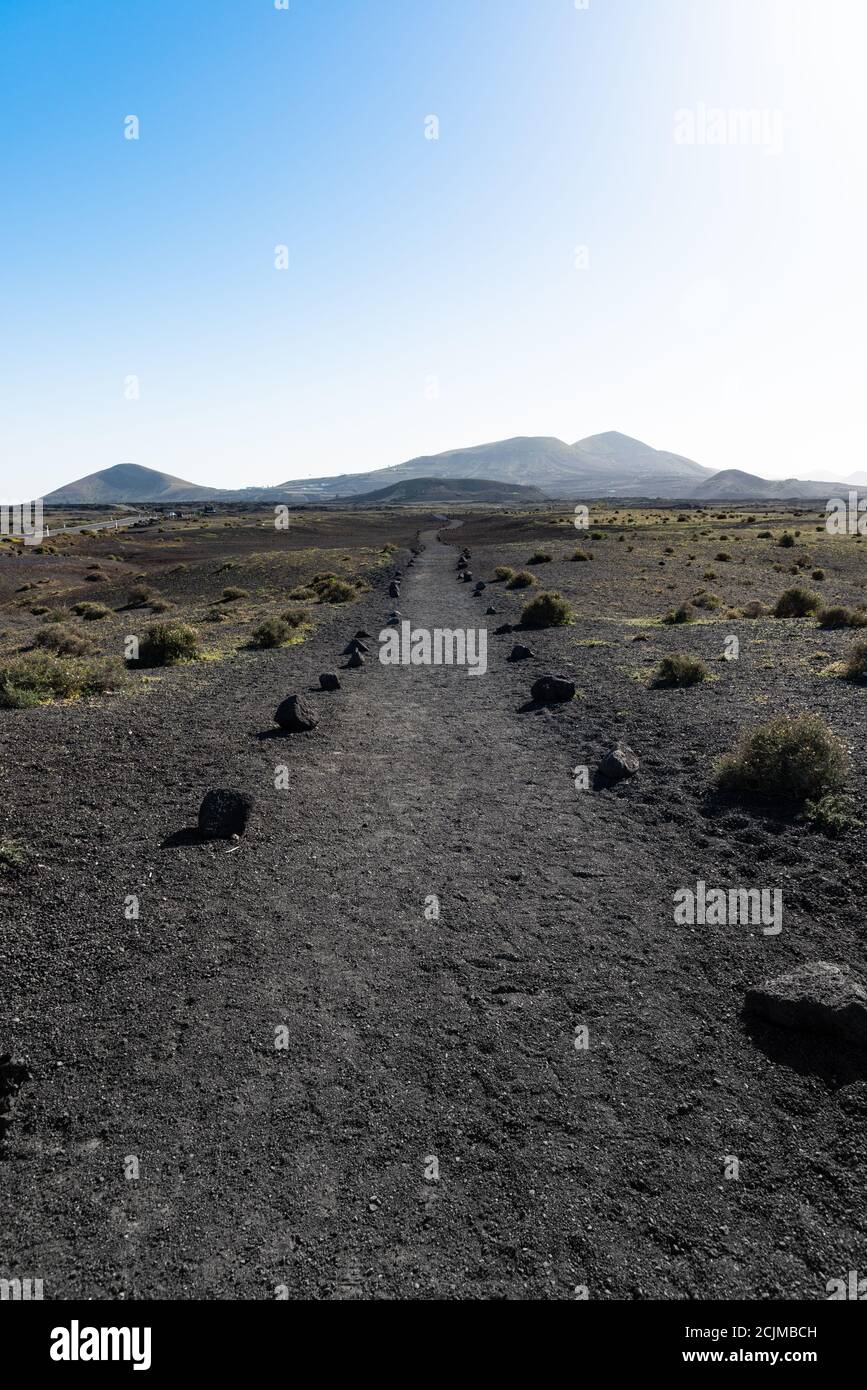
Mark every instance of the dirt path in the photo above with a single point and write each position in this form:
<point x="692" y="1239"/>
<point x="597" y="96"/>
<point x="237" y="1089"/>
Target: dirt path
<point x="427" y="1126"/>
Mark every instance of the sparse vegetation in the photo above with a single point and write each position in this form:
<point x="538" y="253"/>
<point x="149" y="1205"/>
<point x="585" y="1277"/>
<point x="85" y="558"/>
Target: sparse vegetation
<point x="793" y="758"/>
<point x="796" y="602"/>
<point x="855" y="666"/>
<point x="62" y="641"/>
<point x="165" y="644"/>
<point x="684" y="614"/>
<point x="680" y="670"/>
<point x="521" y="580"/>
<point x="91" y="612"/>
<point x="273" y="632"/>
<point x="842" y="617"/>
<point x="503" y="572"/>
<point x="581" y="555"/>
<point x="39" y="677"/>
<point x="540" y="558"/>
<point x="547" y="609"/>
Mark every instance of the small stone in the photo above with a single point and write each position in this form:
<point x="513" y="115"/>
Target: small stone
<point x="355" y="661"/>
<point x="224" y="813"/>
<point x="362" y="636"/>
<point x="519" y="653"/>
<point x="329" y="680"/>
<point x="467" y="577"/>
<point x="355" y="646"/>
<point x="619" y="763"/>
<point x="553" y="690"/>
<point x="819" y="997"/>
<point x="394" y="590"/>
<point x="489" y="612"/>
<point x="503" y="630"/>
<point x="296" y="715"/>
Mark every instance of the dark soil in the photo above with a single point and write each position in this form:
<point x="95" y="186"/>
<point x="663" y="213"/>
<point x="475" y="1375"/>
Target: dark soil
<point x="409" y="1040"/>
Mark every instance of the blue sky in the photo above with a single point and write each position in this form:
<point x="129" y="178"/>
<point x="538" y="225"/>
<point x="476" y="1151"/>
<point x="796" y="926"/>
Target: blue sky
<point x="434" y="297"/>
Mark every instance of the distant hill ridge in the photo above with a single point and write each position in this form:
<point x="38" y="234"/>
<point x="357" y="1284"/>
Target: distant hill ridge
<point x="603" y="465"/>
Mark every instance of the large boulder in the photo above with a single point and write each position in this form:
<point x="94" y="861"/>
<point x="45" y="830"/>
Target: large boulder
<point x="329" y="680"/>
<point x="224" y="813"/>
<point x="619" y="763"/>
<point x="819" y="997"/>
<point x="296" y="715"/>
<point x="553" y="690"/>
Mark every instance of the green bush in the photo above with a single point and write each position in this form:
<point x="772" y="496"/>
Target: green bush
<point x="546" y="610"/>
<point x="62" y="641"/>
<point x="842" y="617"/>
<point x="787" y="540"/>
<point x="522" y="580"/>
<point x="708" y="601"/>
<point x="164" y="644"/>
<point x="797" y="602"/>
<point x="684" y="614"/>
<point x="334" y="590"/>
<point x="39" y="677"/>
<point x="12" y="857"/>
<point x="273" y="632"/>
<point x="681" y="671"/>
<point x="91" y="612"/>
<point x="503" y="572"/>
<point x="855" y="668"/>
<point x="833" y="814"/>
<point x="793" y="758"/>
<point x="295" y="617"/>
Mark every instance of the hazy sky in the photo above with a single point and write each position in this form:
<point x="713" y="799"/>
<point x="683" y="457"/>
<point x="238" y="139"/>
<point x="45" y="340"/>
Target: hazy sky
<point x="434" y="297"/>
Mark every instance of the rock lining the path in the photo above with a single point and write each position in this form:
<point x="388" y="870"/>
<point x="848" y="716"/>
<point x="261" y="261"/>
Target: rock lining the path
<point x="296" y="715"/>
<point x="223" y="813"/>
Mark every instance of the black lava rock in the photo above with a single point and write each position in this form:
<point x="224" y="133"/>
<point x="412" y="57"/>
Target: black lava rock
<point x="296" y="715"/>
<point x="329" y="680"/>
<point x="224" y="813"/>
<point x="519" y="653"/>
<point x="553" y="690"/>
